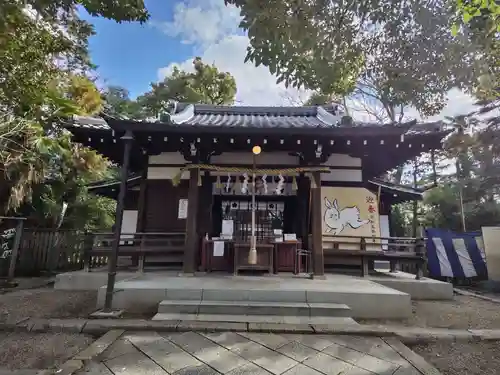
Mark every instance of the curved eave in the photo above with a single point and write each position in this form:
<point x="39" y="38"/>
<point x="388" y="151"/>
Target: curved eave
<point x="166" y="128"/>
<point x="394" y="193"/>
<point x="111" y="188"/>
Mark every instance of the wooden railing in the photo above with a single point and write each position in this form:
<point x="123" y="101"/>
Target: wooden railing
<point x="387" y="244"/>
<point x="396" y="250"/>
<point x="167" y="246"/>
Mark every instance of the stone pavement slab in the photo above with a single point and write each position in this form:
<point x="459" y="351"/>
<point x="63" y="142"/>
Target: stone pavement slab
<point x="232" y="353"/>
<point x="272" y="361"/>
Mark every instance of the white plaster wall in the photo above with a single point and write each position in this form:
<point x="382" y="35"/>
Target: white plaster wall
<point x="266" y="158"/>
<point x="342" y="160"/>
<point x="347" y="175"/>
<point x="167" y="158"/>
<point x="270" y="158"/>
<point x="166" y="173"/>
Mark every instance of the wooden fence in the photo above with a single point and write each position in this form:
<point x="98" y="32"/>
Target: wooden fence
<point x="45" y="250"/>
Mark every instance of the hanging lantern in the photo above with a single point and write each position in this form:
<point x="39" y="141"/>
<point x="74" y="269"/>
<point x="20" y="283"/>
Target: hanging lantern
<point x="294" y="184"/>
<point x="199" y="178"/>
<point x="218" y="183"/>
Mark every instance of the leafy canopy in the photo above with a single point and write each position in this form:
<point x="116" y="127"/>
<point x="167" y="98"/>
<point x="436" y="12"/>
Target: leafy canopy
<point x="205" y="85"/>
<point x="43" y="77"/>
<point x="471" y="9"/>
<point x="402" y="49"/>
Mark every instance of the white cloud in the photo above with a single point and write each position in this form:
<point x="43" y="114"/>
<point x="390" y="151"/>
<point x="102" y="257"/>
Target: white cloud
<point x="202" y="22"/>
<point x="256" y="85"/>
<point x="459" y="103"/>
<point x="212" y="28"/>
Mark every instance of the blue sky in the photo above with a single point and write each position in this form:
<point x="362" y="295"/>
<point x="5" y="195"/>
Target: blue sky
<point x="130" y="54"/>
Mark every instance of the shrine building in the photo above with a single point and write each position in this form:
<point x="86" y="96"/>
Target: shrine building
<point x="295" y="180"/>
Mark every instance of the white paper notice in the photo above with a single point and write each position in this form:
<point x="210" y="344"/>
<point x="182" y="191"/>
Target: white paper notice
<point x="290" y="237"/>
<point x="218" y="248"/>
<point x="227" y="228"/>
<point x="183" y="209"/>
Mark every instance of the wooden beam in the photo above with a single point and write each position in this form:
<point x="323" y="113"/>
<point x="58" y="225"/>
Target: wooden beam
<point x="316" y="225"/>
<point x="190" y="253"/>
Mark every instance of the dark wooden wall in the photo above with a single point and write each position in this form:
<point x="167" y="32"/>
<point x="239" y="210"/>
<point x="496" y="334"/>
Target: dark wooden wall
<point x="162" y="204"/>
<point x="132" y="200"/>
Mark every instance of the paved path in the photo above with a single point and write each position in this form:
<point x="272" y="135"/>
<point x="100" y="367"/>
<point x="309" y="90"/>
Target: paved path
<point x="245" y="353"/>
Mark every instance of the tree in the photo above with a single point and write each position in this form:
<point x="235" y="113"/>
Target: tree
<point x="118" y="103"/>
<point x="319" y="98"/>
<point x="473" y="184"/>
<point x="479" y="22"/>
<point x="39" y="39"/>
<point x="42" y="44"/>
<point x="469" y="10"/>
<point x="401" y="48"/>
<point x="206" y="85"/>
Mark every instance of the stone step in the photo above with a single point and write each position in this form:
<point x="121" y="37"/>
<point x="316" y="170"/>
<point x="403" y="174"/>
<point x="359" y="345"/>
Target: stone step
<point x="254" y="308"/>
<point x="274" y="319"/>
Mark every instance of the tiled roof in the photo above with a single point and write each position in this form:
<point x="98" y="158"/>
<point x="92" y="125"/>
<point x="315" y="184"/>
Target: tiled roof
<point x="201" y="115"/>
<point x="389" y="186"/>
<point x="97" y="123"/>
<point x="258" y="117"/>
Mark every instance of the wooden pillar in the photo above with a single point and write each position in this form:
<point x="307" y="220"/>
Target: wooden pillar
<point x="191" y="250"/>
<point x="141" y="204"/>
<point x="141" y="210"/>
<point x="303" y="217"/>
<point x="112" y="260"/>
<point x="15" y="248"/>
<point x="205" y="205"/>
<point x="316" y="226"/>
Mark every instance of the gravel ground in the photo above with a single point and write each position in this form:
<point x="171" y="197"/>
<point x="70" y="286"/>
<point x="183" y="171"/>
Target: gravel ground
<point x="462" y="313"/>
<point x="456" y="358"/>
<point x="39" y="351"/>
<point x="44" y="350"/>
<point x="462" y="358"/>
<point x="46" y="303"/>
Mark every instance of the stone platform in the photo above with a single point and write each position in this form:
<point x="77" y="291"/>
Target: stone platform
<point x="383" y="295"/>
<point x="364" y="298"/>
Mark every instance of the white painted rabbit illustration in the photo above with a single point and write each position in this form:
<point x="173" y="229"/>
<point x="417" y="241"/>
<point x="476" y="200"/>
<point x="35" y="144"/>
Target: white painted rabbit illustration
<point x="336" y="220"/>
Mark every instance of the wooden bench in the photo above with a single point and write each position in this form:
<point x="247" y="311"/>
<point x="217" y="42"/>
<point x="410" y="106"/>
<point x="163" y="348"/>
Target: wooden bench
<point x="140" y="245"/>
<point x="398" y="250"/>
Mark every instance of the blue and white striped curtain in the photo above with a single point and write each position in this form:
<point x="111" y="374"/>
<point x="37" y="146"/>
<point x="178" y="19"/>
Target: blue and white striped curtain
<point x="458" y="255"/>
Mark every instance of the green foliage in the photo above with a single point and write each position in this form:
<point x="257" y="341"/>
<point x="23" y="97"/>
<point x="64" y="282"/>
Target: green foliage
<point x="469" y="10"/>
<point x="475" y="174"/>
<point x="319" y="98"/>
<point x="399" y="51"/>
<point x="118" y="103"/>
<point x="206" y="85"/>
<point x="42" y="44"/>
